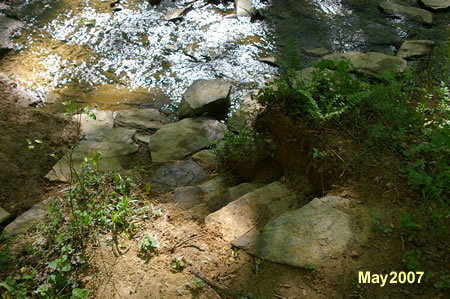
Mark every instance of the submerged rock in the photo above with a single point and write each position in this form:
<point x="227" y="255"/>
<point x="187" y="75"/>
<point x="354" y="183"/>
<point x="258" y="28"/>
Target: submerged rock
<point x="415" y="48"/>
<point x="253" y="209"/>
<point x="306" y="236"/>
<point x="178" y="174"/>
<point x="211" y="97"/>
<point x="371" y="63"/>
<point x="417" y="14"/>
<point x="178" y="140"/>
<point x="24" y="221"/>
<point x="141" y="119"/>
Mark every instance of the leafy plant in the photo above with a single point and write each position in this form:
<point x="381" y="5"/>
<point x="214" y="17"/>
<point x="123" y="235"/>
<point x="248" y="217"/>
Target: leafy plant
<point x="148" y="245"/>
<point x="376" y="222"/>
<point x="409" y="227"/>
<point x="410" y="260"/>
<point x="444" y="284"/>
<point x="179" y="264"/>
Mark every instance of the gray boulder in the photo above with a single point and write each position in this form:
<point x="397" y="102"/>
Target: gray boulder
<point x="24" y="221"/>
<point x="178" y="140"/>
<point x="415" y="48"/>
<point x="206" y="96"/>
<point x="420" y="15"/>
<point x="178" y="174"/>
<point x="188" y="197"/>
<point x="436" y="4"/>
<point x="371" y="63"/>
<point x="302" y="237"/>
<point x="141" y="119"/>
<point x="4" y="215"/>
<point x="114" y="156"/>
<point x="253" y="209"/>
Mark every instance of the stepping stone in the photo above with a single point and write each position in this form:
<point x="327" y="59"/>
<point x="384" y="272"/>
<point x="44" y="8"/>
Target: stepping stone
<point x="253" y="209"/>
<point x="114" y="135"/>
<point x="304" y="237"/>
<point x="415" y="48"/>
<point x="233" y="193"/>
<point x="178" y="174"/>
<point x="420" y="15"/>
<point x="22" y="223"/>
<point x="103" y="119"/>
<point x="114" y="156"/>
<point x="178" y="140"/>
<point x="371" y="63"/>
<point x="141" y="119"/>
<point x="436" y="4"/>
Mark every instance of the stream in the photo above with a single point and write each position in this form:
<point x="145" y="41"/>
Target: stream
<point x="129" y="55"/>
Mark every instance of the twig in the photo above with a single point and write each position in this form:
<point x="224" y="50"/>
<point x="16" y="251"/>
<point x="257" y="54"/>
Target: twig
<point x="337" y="155"/>
<point x="403" y="243"/>
<point x="184" y="241"/>
<point x="194" y="246"/>
<point x="278" y="296"/>
<point x="218" y="287"/>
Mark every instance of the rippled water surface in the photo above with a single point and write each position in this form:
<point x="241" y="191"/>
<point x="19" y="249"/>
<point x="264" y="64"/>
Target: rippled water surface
<point x="129" y="54"/>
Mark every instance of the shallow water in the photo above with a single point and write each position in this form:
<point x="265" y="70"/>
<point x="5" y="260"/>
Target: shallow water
<point x="86" y="51"/>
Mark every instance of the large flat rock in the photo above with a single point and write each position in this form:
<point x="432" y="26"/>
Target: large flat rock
<point x="306" y="236"/>
<point x="103" y="119"/>
<point x="222" y="199"/>
<point x="415" y="48"/>
<point x="253" y="209"/>
<point x="24" y="221"/>
<point x="141" y="119"/>
<point x="113" y="157"/>
<point x="436" y="4"/>
<point x="371" y="63"/>
<point x="211" y="97"/>
<point x="178" y="140"/>
<point x="420" y="15"/>
<point x="114" y="135"/>
<point x="178" y="174"/>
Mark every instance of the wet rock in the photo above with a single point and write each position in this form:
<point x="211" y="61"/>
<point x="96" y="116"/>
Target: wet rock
<point x="178" y="174"/>
<point x="178" y="140"/>
<point x="114" y="156"/>
<point x="415" y="48"/>
<point x="243" y="7"/>
<point x="206" y="96"/>
<point x="436" y="4"/>
<point x="206" y="159"/>
<point x="8" y="27"/>
<point x="141" y="119"/>
<point x="114" y="135"/>
<point x="188" y="197"/>
<point x="24" y="221"/>
<point x="299" y="238"/>
<point x="4" y="215"/>
<point x="177" y="13"/>
<point x="318" y="52"/>
<point x="270" y="60"/>
<point x="103" y="119"/>
<point x="371" y="63"/>
<point x="251" y="210"/>
<point x="420" y="15"/>
<point x="230" y="195"/>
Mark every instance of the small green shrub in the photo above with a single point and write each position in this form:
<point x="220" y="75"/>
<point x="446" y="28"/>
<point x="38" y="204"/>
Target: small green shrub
<point x="148" y="245"/>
